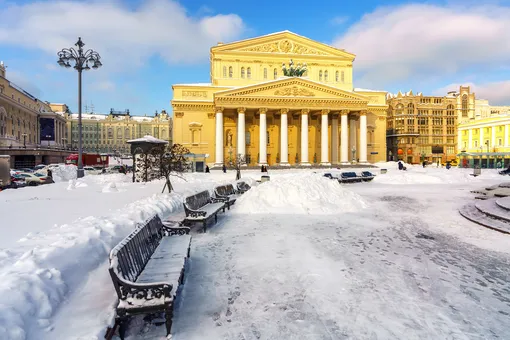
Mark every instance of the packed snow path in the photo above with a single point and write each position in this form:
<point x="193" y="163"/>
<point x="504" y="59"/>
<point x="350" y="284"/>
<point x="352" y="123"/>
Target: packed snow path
<point x="255" y="278"/>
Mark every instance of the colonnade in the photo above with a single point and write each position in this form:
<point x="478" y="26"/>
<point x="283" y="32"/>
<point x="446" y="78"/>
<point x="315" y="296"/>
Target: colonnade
<point x="284" y="137"/>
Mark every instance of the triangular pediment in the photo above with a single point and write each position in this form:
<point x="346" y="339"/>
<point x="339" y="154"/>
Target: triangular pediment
<point x="284" y="43"/>
<point x="292" y="87"/>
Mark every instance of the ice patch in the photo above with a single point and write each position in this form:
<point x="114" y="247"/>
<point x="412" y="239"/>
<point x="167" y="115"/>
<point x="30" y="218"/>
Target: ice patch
<point x="300" y="194"/>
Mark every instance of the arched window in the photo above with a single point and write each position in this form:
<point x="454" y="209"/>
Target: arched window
<point x="242" y="72"/>
<point x="342" y="77"/>
<point x="410" y="109"/>
<point x="337" y="76"/>
<point x="450" y="110"/>
<point x="248" y="73"/>
<point x="325" y="76"/>
<point x="126" y="133"/>
<point x="320" y="75"/>
<point x="464" y="105"/>
<point x="224" y="72"/>
<point x="119" y="133"/>
<point x="265" y="73"/>
<point x="275" y="73"/>
<point x="163" y="133"/>
<point x="400" y="109"/>
<point x="110" y="133"/>
<point x="230" y="72"/>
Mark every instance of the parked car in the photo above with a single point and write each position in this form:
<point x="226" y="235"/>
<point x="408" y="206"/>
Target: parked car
<point x="39" y="167"/>
<point x="89" y="170"/>
<point x="17" y="181"/>
<point x="33" y="179"/>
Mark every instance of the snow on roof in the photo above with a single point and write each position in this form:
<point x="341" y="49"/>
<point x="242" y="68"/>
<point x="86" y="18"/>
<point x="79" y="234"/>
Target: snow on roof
<point x="141" y="118"/>
<point x="148" y="139"/>
<point x="88" y="116"/>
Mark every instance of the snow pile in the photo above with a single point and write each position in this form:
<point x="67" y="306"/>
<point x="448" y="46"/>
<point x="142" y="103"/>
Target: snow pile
<point x="76" y="183"/>
<point x="300" y="194"/>
<point x="34" y="284"/>
<point x="433" y="175"/>
<point x="110" y="187"/>
<point x="64" y="173"/>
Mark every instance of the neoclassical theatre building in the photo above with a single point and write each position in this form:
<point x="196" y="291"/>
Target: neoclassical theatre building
<point x="251" y="107"/>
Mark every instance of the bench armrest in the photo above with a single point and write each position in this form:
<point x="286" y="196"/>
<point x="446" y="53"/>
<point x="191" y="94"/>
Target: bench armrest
<point x="169" y="231"/>
<point x="196" y="213"/>
<point x="219" y="199"/>
<point x="132" y="290"/>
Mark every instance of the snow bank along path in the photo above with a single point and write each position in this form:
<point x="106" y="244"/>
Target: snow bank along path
<point x="33" y="285"/>
<point x="300" y="194"/>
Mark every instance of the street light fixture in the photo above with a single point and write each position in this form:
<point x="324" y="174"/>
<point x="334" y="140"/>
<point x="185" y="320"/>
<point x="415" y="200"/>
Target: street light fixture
<point x="81" y="62"/>
<point x="24" y="140"/>
<point x="48" y="139"/>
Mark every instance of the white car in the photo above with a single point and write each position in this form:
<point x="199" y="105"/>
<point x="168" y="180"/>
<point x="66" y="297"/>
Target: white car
<point x="33" y="179"/>
<point x="89" y="170"/>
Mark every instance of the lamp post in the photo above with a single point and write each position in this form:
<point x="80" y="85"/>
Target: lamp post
<point x="81" y="61"/>
<point x="353" y="150"/>
<point x="481" y="150"/>
<point x="64" y="143"/>
<point x="48" y="139"/>
<point x="104" y="157"/>
<point x="24" y="140"/>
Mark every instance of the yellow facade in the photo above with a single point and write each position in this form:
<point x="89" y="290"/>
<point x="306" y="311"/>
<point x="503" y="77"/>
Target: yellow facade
<point x="19" y="112"/>
<point x="109" y="133"/>
<point x="300" y="114"/>
<point x="424" y="128"/>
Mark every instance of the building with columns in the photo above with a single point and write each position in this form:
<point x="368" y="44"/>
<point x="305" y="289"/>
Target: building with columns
<point x="483" y="136"/>
<point x="250" y="108"/>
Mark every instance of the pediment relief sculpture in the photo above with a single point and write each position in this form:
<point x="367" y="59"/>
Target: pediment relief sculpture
<point x="284" y="46"/>
<point x="294" y="91"/>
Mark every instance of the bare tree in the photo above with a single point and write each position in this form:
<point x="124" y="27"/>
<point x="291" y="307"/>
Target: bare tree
<point x="174" y="163"/>
<point x="236" y="163"/>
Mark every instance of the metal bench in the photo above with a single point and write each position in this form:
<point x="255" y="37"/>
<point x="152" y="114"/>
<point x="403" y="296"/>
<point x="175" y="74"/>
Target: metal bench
<point x="243" y="187"/>
<point x="146" y="268"/>
<point x="367" y="176"/>
<point x="228" y="193"/>
<point x="349" y="177"/>
<point x="202" y="207"/>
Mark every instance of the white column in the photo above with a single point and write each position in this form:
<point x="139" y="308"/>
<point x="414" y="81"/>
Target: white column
<point x="334" y="140"/>
<point x="493" y="137"/>
<point x="284" y="138"/>
<point x="470" y="139"/>
<point x="241" y="138"/>
<point x="324" y="138"/>
<point x="505" y="142"/>
<point x="459" y="139"/>
<point x="219" y="136"/>
<point x="263" y="137"/>
<point x="481" y="137"/>
<point x="304" y="137"/>
<point x="353" y="139"/>
<point x="363" y="137"/>
<point x="344" y="138"/>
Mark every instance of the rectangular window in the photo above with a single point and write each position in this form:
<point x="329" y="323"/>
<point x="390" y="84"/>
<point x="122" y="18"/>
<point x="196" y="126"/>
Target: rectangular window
<point x="248" y="138"/>
<point x="500" y="142"/>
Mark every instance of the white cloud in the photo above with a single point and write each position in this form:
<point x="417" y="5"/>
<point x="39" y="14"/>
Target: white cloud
<point x="51" y="67"/>
<point x="426" y="41"/>
<point x="339" y="20"/>
<point x="20" y="80"/>
<point x="105" y="85"/>
<point x="497" y="92"/>
<point x="122" y="36"/>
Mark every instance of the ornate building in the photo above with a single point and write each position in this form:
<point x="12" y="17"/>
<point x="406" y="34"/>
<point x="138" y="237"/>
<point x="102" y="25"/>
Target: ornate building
<point x="19" y="114"/>
<point x="109" y="133"/>
<point x="424" y="127"/>
<point x="251" y="107"/>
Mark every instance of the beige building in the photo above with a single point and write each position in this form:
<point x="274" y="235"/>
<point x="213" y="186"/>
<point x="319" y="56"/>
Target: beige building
<point x="108" y="133"/>
<point x="251" y="106"/>
<point x="19" y="112"/>
<point x="425" y="127"/>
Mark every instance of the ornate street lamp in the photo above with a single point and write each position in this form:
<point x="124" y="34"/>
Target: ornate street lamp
<point x="81" y="61"/>
<point x="24" y="140"/>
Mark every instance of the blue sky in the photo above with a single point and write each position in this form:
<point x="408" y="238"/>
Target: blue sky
<point x="146" y="46"/>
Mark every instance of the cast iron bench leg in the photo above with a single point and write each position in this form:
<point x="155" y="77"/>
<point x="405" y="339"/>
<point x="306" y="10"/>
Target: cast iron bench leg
<point x="168" y="318"/>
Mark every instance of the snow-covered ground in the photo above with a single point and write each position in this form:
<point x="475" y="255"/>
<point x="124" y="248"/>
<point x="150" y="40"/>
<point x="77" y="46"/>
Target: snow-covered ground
<point x="298" y="257"/>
